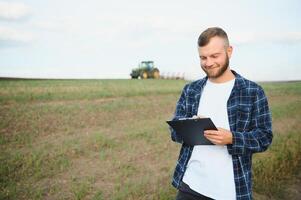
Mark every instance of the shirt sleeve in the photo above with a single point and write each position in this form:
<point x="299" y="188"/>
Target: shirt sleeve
<point x="180" y="112"/>
<point x="260" y="135"/>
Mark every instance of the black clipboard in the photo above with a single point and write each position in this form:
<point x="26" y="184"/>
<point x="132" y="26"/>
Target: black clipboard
<point x="192" y="130"/>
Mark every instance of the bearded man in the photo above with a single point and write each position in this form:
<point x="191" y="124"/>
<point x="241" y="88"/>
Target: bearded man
<point x="239" y="109"/>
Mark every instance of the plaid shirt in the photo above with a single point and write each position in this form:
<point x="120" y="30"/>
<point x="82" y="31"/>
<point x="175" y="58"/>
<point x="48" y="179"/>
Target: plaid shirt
<point x="250" y="124"/>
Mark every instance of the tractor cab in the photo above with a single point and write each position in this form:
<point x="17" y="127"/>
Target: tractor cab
<point x="147" y="65"/>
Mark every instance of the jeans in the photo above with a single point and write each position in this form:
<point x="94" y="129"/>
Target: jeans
<point x="185" y="193"/>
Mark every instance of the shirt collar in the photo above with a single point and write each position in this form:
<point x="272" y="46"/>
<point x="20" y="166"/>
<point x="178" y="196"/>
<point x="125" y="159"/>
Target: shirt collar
<point x="239" y="83"/>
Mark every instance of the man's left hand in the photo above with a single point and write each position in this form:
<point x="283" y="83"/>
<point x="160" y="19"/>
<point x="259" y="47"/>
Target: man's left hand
<point x="219" y="137"/>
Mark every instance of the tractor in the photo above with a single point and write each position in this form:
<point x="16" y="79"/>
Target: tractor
<point x="145" y="70"/>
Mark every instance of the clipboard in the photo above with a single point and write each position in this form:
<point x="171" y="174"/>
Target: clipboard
<point x="192" y="130"/>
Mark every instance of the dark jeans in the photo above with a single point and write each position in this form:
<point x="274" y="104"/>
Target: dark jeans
<point x="185" y="193"/>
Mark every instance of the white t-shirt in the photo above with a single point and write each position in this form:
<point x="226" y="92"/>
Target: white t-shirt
<point x="210" y="168"/>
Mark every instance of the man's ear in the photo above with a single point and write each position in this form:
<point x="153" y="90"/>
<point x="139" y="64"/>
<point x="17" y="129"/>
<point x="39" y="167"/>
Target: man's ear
<point x="229" y="51"/>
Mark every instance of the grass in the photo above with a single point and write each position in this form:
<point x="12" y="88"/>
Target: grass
<point x="53" y="90"/>
<point x="107" y="139"/>
<point x="279" y="167"/>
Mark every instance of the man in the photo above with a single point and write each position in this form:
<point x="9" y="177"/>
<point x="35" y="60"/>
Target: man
<point x="239" y="108"/>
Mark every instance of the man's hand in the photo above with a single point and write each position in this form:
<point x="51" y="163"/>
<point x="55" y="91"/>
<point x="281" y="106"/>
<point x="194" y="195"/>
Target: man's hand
<point x="197" y="116"/>
<point x="219" y="137"/>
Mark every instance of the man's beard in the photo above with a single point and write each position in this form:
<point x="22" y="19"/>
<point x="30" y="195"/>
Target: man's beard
<point x="221" y="70"/>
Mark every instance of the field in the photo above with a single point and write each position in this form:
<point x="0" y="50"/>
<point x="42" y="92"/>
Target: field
<point x="107" y="139"/>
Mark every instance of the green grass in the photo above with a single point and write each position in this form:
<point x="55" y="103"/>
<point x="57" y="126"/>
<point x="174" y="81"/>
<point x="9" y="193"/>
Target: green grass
<point x="53" y="90"/>
<point x="276" y="170"/>
<point x="107" y="139"/>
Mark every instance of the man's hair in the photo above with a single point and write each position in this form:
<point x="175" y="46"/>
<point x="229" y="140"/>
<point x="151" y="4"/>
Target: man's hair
<point x="209" y="33"/>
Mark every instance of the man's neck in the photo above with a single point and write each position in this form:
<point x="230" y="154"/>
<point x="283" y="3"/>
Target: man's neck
<point x="226" y="76"/>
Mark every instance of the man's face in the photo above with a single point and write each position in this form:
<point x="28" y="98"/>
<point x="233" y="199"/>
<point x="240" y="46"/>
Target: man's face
<point x="215" y="57"/>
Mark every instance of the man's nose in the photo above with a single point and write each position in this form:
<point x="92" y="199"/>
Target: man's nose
<point x="209" y="62"/>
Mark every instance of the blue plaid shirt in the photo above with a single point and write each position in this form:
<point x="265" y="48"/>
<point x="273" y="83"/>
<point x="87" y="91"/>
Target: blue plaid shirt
<point x="250" y="124"/>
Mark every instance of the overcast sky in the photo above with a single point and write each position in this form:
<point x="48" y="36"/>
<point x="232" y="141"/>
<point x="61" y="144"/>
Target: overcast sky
<point x="106" y="39"/>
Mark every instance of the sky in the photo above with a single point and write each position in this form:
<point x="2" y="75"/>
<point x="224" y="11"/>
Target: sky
<point x="106" y="39"/>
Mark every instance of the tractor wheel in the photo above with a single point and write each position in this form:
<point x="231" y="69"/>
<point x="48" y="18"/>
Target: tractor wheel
<point x="156" y="74"/>
<point x="144" y="75"/>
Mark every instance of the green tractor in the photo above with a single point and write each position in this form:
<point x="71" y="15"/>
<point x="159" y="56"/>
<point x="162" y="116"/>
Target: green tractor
<point x="146" y="70"/>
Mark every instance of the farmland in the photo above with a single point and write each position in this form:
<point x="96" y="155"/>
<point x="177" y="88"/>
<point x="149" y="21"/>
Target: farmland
<point x="107" y="139"/>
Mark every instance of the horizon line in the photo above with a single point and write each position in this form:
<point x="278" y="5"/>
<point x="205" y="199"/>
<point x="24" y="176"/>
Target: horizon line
<point x="43" y="78"/>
